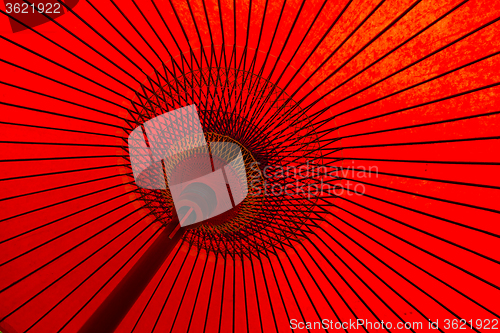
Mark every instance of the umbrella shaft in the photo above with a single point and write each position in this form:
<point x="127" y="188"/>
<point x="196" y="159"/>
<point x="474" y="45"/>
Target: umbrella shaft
<point x="111" y="312"/>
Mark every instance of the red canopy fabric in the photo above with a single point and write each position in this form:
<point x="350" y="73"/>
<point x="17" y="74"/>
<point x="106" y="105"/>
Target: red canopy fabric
<point x="399" y="99"/>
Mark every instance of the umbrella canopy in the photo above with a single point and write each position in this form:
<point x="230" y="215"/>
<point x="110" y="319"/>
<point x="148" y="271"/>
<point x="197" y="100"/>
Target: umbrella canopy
<point x="369" y="135"/>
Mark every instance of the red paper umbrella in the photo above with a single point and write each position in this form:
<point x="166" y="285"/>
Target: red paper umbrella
<point x="367" y="135"/>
